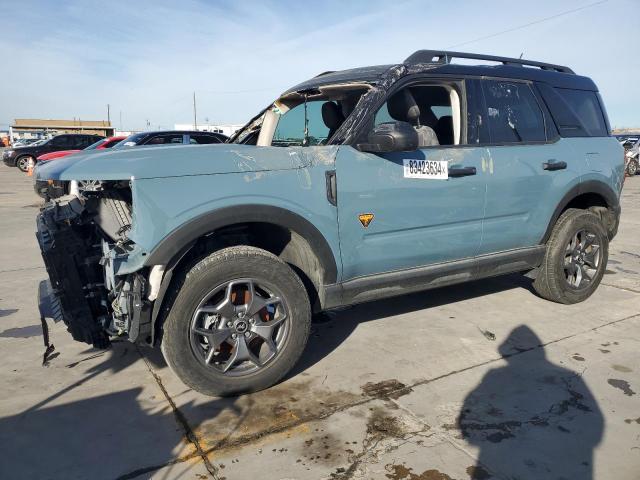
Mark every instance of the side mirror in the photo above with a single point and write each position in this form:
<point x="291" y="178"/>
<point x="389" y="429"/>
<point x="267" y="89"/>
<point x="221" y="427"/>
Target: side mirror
<point x="391" y="137"/>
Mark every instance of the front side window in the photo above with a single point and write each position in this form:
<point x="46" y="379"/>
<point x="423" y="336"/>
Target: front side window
<point x="291" y="126"/>
<point x="512" y="112"/>
<point x="95" y="145"/>
<point x="433" y="110"/>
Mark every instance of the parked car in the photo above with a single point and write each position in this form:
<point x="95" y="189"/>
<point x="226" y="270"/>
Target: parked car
<point x="101" y="144"/>
<point x="21" y="156"/>
<point x="53" y="189"/>
<point x="394" y="179"/>
<point x="172" y="137"/>
<point x="631" y="145"/>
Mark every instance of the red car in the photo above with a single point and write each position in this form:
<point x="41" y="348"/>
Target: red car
<point x="99" y="145"/>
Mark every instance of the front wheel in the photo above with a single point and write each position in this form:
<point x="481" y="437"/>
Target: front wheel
<point x="576" y="258"/>
<point x="632" y="168"/>
<point x="23" y="162"/>
<point x="238" y="322"/>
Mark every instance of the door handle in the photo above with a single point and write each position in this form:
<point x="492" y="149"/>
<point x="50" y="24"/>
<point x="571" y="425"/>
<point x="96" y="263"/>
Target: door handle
<point x="332" y="190"/>
<point x="462" y="171"/>
<point x="553" y="165"/>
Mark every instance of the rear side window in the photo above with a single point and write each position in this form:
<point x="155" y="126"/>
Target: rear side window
<point x="586" y="107"/>
<point x="512" y="112"/>
<point x="165" y="140"/>
<point x="60" y="141"/>
<point x="203" y="139"/>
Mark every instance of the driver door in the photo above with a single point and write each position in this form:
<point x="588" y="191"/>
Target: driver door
<point x="391" y="222"/>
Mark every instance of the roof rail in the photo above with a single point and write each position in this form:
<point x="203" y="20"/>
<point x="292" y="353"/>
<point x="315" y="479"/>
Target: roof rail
<point x="324" y="73"/>
<point x="444" y="57"/>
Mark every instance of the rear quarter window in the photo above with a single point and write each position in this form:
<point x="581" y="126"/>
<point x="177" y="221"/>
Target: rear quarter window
<point x="586" y="107"/>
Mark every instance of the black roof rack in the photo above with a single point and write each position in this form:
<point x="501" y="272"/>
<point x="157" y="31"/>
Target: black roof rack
<point x="324" y="73"/>
<point x="444" y="57"/>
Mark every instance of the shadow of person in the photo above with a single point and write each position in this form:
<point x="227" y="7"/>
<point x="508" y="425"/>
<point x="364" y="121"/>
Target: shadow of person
<point x="531" y="418"/>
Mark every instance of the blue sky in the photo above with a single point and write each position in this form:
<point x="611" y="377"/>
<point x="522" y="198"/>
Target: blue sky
<point x="65" y="59"/>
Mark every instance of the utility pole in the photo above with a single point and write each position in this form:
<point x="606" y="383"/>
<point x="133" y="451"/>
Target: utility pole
<point x="109" y="114"/>
<point x="121" y="120"/>
<point x="195" y="121"/>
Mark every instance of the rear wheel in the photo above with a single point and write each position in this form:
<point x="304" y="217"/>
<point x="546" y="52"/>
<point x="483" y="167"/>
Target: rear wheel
<point x="23" y="162"/>
<point x="575" y="260"/>
<point x="239" y="321"/>
<point x="632" y="168"/>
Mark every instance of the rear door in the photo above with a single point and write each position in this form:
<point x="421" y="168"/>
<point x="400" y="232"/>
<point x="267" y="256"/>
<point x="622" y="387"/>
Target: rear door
<point x="529" y="166"/>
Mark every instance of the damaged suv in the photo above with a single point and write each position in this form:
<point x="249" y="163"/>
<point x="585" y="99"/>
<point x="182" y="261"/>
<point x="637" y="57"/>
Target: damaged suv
<point x="353" y="186"/>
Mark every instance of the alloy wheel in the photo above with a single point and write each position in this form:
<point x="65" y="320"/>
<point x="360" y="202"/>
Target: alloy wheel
<point x="582" y="259"/>
<point x="239" y="327"/>
<point x="23" y="163"/>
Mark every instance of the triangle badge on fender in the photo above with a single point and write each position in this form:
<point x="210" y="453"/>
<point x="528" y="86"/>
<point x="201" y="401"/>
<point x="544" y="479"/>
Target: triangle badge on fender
<point x="365" y="219"/>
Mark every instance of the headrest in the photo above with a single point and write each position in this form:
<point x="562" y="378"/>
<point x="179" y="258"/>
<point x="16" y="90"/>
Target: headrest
<point x="331" y="115"/>
<point x="403" y="107"/>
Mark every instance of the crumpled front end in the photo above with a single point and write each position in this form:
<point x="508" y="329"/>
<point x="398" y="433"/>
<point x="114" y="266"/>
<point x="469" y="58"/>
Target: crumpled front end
<point x="82" y="237"/>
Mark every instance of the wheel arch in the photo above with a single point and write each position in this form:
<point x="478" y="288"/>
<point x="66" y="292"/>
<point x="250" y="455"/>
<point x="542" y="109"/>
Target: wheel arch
<point x="286" y="234"/>
<point x="591" y="194"/>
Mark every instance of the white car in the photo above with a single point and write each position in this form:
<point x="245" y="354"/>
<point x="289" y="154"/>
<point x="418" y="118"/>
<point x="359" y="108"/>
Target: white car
<point x="631" y="144"/>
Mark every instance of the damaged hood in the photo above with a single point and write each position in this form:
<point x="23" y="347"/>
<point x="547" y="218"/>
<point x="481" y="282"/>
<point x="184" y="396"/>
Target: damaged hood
<point x="170" y="161"/>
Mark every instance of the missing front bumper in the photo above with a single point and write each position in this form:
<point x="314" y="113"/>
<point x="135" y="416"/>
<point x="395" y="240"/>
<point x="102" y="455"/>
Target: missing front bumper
<point x="68" y="244"/>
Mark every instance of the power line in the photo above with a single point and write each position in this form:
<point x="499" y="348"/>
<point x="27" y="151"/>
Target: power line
<point x="561" y="14"/>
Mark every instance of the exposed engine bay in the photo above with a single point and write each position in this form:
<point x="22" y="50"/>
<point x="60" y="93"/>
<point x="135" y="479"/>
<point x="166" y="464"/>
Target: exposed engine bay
<point x="80" y="236"/>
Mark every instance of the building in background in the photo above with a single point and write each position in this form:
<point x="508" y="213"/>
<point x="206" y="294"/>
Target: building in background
<point x="226" y="129"/>
<point x="35" y="128"/>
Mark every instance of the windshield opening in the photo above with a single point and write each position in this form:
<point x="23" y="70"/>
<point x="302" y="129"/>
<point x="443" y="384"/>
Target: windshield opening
<point x="305" y="118"/>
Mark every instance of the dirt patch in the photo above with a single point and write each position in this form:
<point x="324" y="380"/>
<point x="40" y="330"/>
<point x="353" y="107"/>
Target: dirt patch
<point x="322" y="448"/>
<point x="386" y="389"/>
<point x="381" y="425"/>
<point x="632" y="420"/>
<point x="400" y="472"/>
<point x="621" y="368"/>
<point x="622" y="385"/>
<point x="247" y="419"/>
<point x="578" y="357"/>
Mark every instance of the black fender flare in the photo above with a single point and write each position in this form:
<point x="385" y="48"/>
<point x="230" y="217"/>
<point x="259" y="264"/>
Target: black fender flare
<point x="590" y="186"/>
<point x="175" y="243"/>
<point x="172" y="249"/>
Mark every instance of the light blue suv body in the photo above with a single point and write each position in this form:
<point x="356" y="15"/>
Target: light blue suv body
<point x="521" y="142"/>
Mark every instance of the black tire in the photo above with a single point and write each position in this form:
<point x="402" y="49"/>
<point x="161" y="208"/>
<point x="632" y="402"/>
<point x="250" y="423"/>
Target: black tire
<point x="551" y="282"/>
<point x="216" y="269"/>
<point x="632" y="168"/>
<point x="23" y="162"/>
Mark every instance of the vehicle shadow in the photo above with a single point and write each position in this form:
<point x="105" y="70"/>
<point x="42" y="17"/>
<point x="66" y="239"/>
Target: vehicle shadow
<point x="132" y="433"/>
<point x="531" y="418"/>
<point x="330" y="329"/>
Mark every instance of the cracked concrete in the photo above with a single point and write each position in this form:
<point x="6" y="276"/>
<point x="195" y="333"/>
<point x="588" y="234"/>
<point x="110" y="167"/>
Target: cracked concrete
<point x="477" y="381"/>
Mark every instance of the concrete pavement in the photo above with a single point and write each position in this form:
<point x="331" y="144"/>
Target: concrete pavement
<point x="482" y="380"/>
